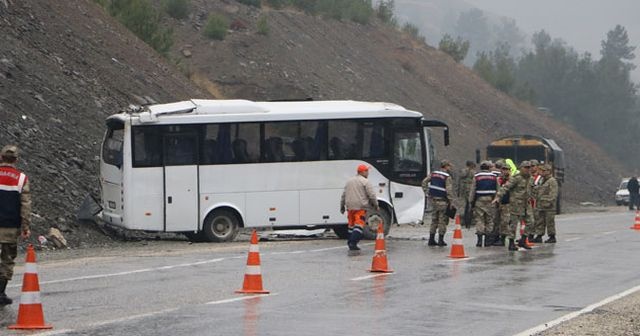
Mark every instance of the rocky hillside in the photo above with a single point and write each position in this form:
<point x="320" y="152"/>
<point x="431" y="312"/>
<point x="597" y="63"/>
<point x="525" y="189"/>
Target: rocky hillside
<point x="66" y="65"/>
<point x="306" y="56"/>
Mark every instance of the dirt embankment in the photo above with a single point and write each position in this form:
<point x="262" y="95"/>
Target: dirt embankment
<point x="306" y="56"/>
<point x="66" y="65"/>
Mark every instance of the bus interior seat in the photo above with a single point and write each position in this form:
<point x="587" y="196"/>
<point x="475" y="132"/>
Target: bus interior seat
<point x="210" y="152"/>
<point x="337" y="148"/>
<point x="240" y="154"/>
<point x="275" y="152"/>
<point x="299" y="152"/>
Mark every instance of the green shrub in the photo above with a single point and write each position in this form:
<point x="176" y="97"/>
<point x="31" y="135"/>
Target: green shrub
<point x="384" y="11"/>
<point x="254" y="3"/>
<point x="216" y="27"/>
<point x="263" y="25"/>
<point x="359" y="11"/>
<point x="142" y="19"/>
<point x="457" y="48"/>
<point x="278" y="3"/>
<point x="411" y="29"/>
<point x="177" y="9"/>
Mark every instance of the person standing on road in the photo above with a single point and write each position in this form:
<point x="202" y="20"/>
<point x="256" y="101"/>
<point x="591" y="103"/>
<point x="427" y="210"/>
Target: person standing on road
<point x="464" y="184"/>
<point x="535" y="180"/>
<point x="634" y="190"/>
<point x="15" y="215"/>
<point x="483" y="190"/>
<point x="519" y="189"/>
<point x="503" y="208"/>
<point x="439" y="188"/>
<point x="358" y="196"/>
<point x="546" y="197"/>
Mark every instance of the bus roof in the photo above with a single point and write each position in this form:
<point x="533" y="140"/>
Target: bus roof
<point x="199" y="110"/>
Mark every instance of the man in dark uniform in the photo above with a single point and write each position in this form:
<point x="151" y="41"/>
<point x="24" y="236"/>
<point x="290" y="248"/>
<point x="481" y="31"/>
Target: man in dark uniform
<point x="439" y="188"/>
<point x="15" y="212"/>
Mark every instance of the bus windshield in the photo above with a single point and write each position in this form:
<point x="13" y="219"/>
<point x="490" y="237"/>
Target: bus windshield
<point x="408" y="152"/>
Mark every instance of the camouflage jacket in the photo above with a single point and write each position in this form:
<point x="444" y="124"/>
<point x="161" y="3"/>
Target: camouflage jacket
<point x="519" y="188"/>
<point x="464" y="182"/>
<point x="547" y="194"/>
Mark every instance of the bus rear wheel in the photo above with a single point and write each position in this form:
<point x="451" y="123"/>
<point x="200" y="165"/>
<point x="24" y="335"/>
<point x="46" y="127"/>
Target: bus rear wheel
<point x="221" y="226"/>
<point x="370" y="232"/>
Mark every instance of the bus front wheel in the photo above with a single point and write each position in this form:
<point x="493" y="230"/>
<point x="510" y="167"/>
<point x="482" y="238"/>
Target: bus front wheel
<point x="221" y="226"/>
<point x="370" y="232"/>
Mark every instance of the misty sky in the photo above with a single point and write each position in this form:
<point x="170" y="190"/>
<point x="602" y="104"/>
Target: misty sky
<point x="582" y="23"/>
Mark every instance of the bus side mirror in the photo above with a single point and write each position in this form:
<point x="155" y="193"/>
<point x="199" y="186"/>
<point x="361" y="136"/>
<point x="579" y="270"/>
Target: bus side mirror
<point x="446" y="136"/>
<point x="477" y="156"/>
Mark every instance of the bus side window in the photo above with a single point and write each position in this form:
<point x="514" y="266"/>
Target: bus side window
<point x="147" y="146"/>
<point x="343" y="144"/>
<point x="274" y="151"/>
<point x="240" y="154"/>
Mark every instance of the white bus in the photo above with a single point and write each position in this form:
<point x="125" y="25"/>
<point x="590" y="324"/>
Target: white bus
<point x="207" y="168"/>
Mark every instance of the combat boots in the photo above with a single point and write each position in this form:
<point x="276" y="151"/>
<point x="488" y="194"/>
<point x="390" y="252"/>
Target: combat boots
<point x="441" y="241"/>
<point x="512" y="245"/>
<point x="4" y="299"/>
<point x="523" y="243"/>
<point x="479" y="243"/>
<point x="537" y="239"/>
<point x="499" y="241"/>
<point x="552" y="239"/>
<point x="432" y="240"/>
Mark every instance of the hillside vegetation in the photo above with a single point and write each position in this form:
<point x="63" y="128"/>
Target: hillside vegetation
<point x="66" y="65"/>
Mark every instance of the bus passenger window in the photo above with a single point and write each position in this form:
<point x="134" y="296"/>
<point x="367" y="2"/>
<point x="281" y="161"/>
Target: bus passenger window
<point x="180" y="150"/>
<point x="147" y="146"/>
<point x="343" y="144"/>
<point x="407" y="152"/>
<point x="240" y="154"/>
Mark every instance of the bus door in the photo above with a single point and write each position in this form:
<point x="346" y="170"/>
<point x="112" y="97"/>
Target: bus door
<point x="181" y="182"/>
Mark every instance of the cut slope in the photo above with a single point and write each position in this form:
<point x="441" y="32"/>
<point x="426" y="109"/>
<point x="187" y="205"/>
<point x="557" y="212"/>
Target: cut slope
<point x="65" y="66"/>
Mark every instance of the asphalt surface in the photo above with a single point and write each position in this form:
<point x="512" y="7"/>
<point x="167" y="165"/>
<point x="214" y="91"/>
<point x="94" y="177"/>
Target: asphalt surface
<point x="316" y="289"/>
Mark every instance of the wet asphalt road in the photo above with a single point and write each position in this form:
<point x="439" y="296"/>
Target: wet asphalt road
<point x="316" y="289"/>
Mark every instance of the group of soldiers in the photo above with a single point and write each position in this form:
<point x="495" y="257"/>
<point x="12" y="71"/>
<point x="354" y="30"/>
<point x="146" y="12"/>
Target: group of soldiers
<point x="497" y="200"/>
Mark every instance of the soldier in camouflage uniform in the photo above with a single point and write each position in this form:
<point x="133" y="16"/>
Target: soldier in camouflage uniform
<point x="483" y="190"/>
<point x="15" y="212"/>
<point x="439" y="188"/>
<point x="503" y="212"/>
<point x="519" y="189"/>
<point x="530" y="219"/>
<point x="464" y="184"/>
<point x="546" y="197"/>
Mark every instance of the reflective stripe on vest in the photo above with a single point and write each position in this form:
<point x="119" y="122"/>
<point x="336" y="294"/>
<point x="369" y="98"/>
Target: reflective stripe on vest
<point x="486" y="184"/>
<point x="11" y="183"/>
<point x="438" y="184"/>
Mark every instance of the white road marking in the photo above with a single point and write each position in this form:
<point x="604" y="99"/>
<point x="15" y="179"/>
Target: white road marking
<point x="370" y="276"/>
<point x="572" y="239"/>
<point x="140" y="316"/>
<point x="239" y="299"/>
<point x="608" y="233"/>
<point x="587" y="309"/>
<point x="143" y="270"/>
<point x="154" y="269"/>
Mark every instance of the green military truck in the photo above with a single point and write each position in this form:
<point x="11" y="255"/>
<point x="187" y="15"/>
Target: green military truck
<point x="527" y="147"/>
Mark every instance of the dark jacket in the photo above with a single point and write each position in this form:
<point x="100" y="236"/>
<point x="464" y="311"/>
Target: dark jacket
<point x="633" y="186"/>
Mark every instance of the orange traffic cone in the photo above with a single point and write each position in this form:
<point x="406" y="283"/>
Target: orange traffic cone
<point x="523" y="226"/>
<point x="379" y="262"/>
<point x="457" y="249"/>
<point x="253" y="276"/>
<point x="636" y="225"/>
<point x="30" y="314"/>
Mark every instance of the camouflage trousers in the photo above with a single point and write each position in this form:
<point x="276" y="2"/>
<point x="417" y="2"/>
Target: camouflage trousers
<point x="515" y="220"/>
<point x="545" y="221"/>
<point x="8" y="254"/>
<point x="439" y="219"/>
<point x="483" y="215"/>
<point x="530" y="220"/>
<point x="502" y="219"/>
